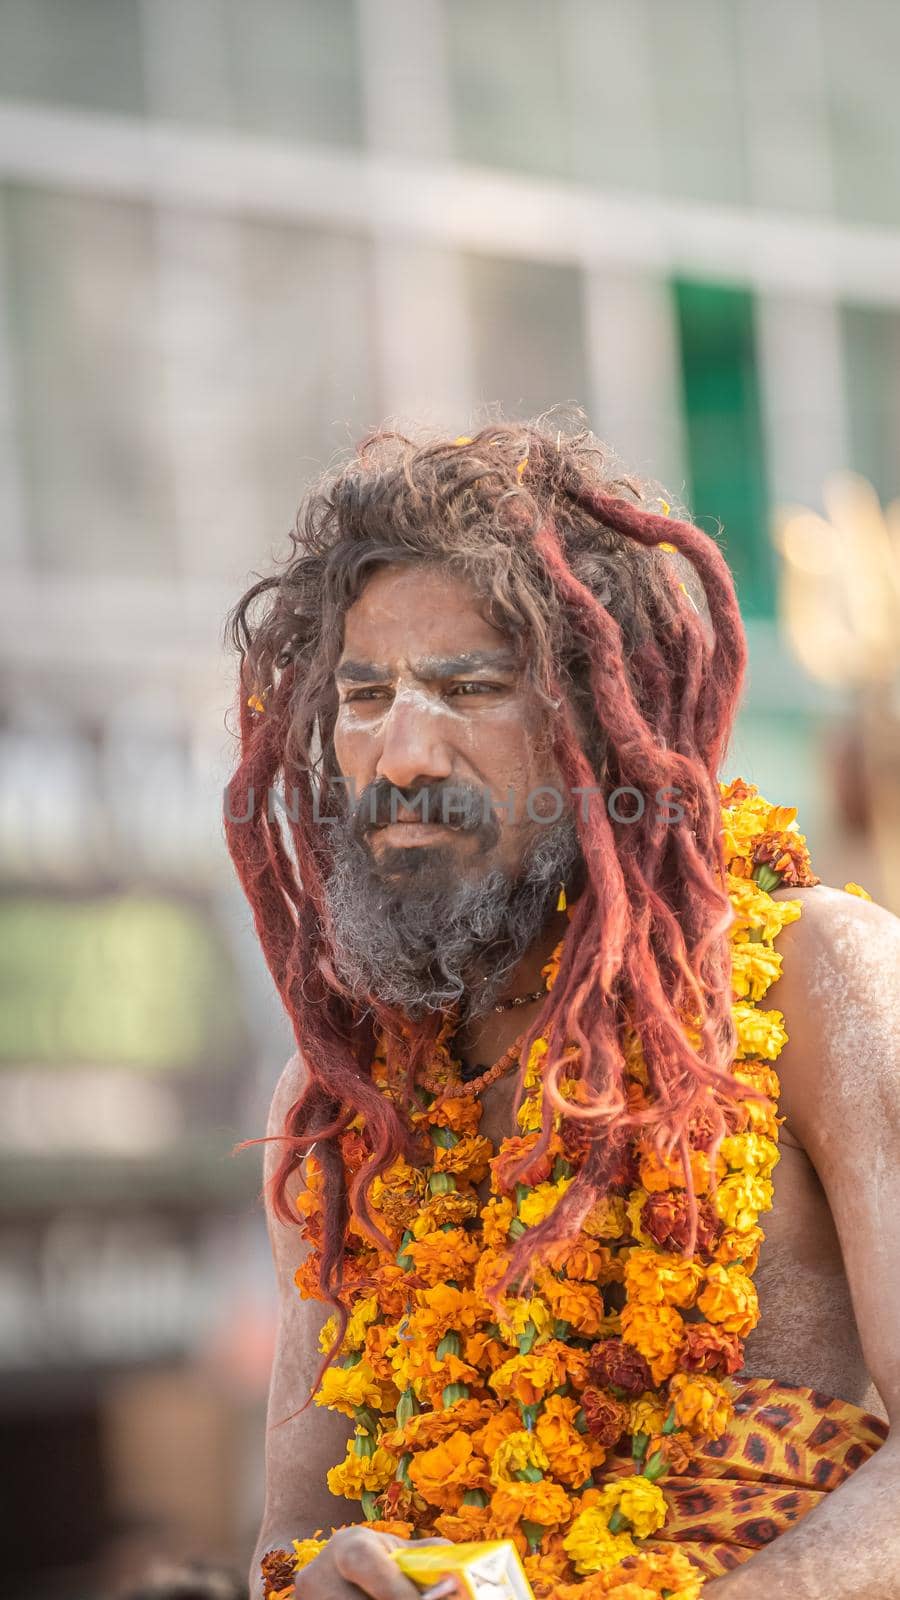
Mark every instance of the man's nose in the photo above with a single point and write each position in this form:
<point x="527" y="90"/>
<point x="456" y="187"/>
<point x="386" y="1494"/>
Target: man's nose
<point x="414" y="748"/>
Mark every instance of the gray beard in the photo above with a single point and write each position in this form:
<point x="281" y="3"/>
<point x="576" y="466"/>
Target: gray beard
<point x="431" y="939"/>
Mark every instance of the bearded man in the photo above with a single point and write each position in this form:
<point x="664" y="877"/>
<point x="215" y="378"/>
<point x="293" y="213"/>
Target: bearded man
<point x="516" y="1165"/>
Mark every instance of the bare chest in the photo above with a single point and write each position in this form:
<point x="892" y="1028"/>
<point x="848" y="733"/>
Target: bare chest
<point x="807" y="1331"/>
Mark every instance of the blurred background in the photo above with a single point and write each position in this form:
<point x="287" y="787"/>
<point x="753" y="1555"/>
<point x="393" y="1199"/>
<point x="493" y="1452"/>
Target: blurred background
<point x="233" y="237"/>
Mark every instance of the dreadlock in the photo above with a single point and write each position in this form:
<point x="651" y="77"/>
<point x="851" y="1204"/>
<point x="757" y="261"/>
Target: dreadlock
<point x="638" y="655"/>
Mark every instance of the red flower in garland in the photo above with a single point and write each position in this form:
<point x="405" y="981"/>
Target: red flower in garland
<point x="787" y="855"/>
<point x="606" y="1416"/>
<point x="665" y="1217"/>
<point x="613" y="1364"/>
<point x="708" y="1349"/>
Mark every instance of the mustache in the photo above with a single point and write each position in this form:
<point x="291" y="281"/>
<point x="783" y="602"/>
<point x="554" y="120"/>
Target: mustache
<point x="462" y="806"/>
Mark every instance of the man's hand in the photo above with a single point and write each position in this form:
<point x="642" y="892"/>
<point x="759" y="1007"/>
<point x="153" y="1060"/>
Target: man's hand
<point x="357" y="1560"/>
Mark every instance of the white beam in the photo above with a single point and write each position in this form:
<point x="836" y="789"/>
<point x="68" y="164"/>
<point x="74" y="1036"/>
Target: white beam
<point x="461" y="207"/>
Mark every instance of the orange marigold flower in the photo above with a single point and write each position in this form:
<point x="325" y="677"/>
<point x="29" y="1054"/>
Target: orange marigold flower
<point x="544" y="1502"/>
<point x="465" y="1524"/>
<point x="443" y="1474"/>
<point x="729" y="1299"/>
<point x="459" y="1113"/>
<point x="495" y="1220"/>
<point x="656" y="1331"/>
<point x="702" y="1404"/>
<point x="579" y="1304"/>
<point x="469" y="1157"/>
<point x="606" y="1218"/>
<point x="443" y="1254"/>
<point x="513" y="1152"/>
<point x="528" y="1378"/>
<point x="661" y="1279"/>
<point x="497" y="1428"/>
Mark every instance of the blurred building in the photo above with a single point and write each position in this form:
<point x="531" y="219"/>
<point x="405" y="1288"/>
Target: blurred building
<point x="232" y="237"/>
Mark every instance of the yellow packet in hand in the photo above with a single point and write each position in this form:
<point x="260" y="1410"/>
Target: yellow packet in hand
<point x="483" y="1570"/>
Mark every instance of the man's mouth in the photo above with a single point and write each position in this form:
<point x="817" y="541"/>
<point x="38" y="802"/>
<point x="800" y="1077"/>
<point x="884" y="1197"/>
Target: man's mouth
<point x="407" y="834"/>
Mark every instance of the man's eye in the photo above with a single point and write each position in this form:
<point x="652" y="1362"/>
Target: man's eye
<point x="476" y="686"/>
<point x="364" y="694"/>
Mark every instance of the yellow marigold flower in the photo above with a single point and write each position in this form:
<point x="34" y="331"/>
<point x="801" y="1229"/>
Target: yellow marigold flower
<point x="495" y="1220"/>
<point x="855" y="888"/>
<point x="636" y="1202"/>
<point x="741" y="1197"/>
<point x="544" y="1502"/>
<point x="541" y="1200"/>
<point x="529" y="1378"/>
<point x="328" y="1333"/>
<point x="749" y="1152"/>
<point x="305" y="1551"/>
<point x="530" y="1114"/>
<point x="516" y="1452"/>
<point x="703" y="1405"/>
<point x="519" y="1312"/>
<point x="729" y="1299"/>
<point x="606" y="1218"/>
<point x="660" y="1278"/>
<point x="657" y="1332"/>
<point x="497" y="1428"/>
<point x="443" y="1474"/>
<point x="754" y="968"/>
<point x="591" y="1547"/>
<point x="757" y="911"/>
<point x="345" y="1388"/>
<point x="759" y="1033"/>
<point x="363" y="1313"/>
<point x="356" y="1473"/>
<point x="453" y="1207"/>
<point x="646" y="1414"/>
<point x="641" y="1502"/>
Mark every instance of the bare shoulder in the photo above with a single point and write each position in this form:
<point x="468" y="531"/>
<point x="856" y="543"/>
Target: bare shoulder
<point x="839" y="995"/>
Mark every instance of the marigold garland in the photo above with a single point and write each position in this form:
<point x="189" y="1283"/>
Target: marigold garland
<point x="477" y="1422"/>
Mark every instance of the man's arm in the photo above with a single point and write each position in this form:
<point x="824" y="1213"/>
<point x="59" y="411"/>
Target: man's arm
<point x="840" y="1078"/>
<point x="300" y="1451"/>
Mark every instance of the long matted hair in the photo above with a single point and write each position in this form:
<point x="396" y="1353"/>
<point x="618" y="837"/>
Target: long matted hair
<point x="638" y="654"/>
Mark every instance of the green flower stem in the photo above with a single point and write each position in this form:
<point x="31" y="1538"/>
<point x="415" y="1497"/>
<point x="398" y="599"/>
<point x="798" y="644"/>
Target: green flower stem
<point x="671" y="1422"/>
<point x="765" y="877"/>
<point x="534" y="1533"/>
<point x="618" y="1523"/>
<point x="369" y="1506"/>
<point x="402" y="1473"/>
<point x="655" y="1467"/>
<point x="441" y="1183"/>
<point x="403" y="1260"/>
<point x="450" y="1345"/>
<point x="364" y="1444"/>
<point x="407" y="1407"/>
<point x="639" y="1445"/>
<point x="366" y="1419"/>
<point x="474" y="1497"/>
<point x="517" y="1228"/>
<point x="527" y="1337"/>
<point x="454" y="1392"/>
<point x="444" y="1138"/>
<point x="529" y="1415"/>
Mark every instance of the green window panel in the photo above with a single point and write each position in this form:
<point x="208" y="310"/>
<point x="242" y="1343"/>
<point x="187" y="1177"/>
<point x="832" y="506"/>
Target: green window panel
<point x="724" y="433"/>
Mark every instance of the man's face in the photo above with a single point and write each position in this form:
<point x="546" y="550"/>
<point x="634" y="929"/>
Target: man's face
<point x="437" y="722"/>
<point x="431" y="697"/>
